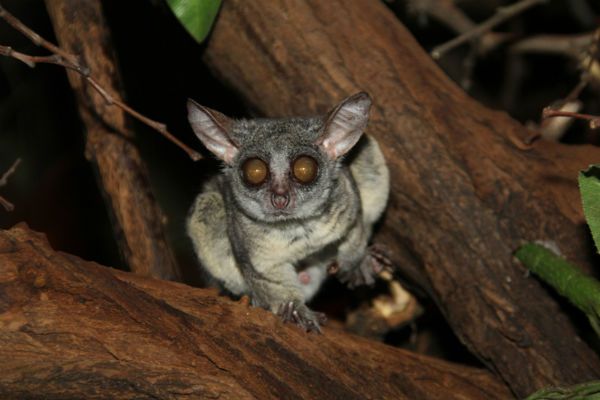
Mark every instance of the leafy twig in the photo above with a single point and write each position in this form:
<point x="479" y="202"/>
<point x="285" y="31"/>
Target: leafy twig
<point x="70" y="61"/>
<point x="502" y="14"/>
<point x="8" y="206"/>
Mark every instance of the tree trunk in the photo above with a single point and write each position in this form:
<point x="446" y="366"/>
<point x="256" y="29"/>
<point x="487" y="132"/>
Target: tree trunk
<point x="74" y="329"/>
<point x="466" y="188"/>
<point x="138" y="221"/>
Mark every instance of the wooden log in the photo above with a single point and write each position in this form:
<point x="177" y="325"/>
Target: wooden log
<point x="75" y="329"/>
<point x="467" y="189"/>
<point x="122" y="175"/>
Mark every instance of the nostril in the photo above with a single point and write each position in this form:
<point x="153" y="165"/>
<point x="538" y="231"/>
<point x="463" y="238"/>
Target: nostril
<point x="280" y="201"/>
<point x="280" y="190"/>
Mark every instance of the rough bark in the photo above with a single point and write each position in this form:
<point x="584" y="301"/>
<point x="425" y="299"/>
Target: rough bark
<point x="138" y="222"/>
<point x="466" y="189"/>
<point x="74" y="329"/>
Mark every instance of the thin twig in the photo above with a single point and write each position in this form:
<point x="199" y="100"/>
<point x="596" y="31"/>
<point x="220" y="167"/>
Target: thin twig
<point x="70" y="61"/>
<point x="555" y="128"/>
<point x="589" y="59"/>
<point x="568" y="107"/>
<point x="9" y="172"/>
<point x="581" y="47"/>
<point x="31" y="61"/>
<point x="446" y="12"/>
<point x="468" y="65"/>
<point x="8" y="206"/>
<point x="594" y="120"/>
<point x="35" y="38"/>
<point x="502" y="14"/>
<point x="570" y="46"/>
<point x="576" y="91"/>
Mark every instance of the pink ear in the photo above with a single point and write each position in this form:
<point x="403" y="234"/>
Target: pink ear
<point x="344" y="125"/>
<point x="212" y="128"/>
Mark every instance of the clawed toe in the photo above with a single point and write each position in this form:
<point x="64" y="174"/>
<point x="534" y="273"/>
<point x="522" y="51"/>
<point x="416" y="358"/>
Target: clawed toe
<point x="285" y="311"/>
<point x="375" y="261"/>
<point x="300" y="314"/>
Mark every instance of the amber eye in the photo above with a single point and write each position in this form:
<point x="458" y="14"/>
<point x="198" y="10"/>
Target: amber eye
<point x="255" y="171"/>
<point x="305" y="169"/>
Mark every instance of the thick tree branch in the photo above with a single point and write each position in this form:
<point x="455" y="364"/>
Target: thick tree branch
<point x="466" y="188"/>
<point x="74" y="329"/>
<point x="138" y="222"/>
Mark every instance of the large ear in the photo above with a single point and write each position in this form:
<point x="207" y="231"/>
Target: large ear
<point x="212" y="128"/>
<point x="344" y="125"/>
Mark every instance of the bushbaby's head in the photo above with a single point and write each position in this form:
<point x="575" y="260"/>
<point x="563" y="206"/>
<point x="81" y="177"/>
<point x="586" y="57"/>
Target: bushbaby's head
<point x="281" y="169"/>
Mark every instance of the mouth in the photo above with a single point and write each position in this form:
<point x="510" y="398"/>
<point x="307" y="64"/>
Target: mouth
<point x="289" y="210"/>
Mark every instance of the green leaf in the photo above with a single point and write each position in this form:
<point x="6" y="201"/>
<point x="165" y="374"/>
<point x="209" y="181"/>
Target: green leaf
<point x="589" y="186"/>
<point x="197" y="16"/>
<point x="582" y="290"/>
<point x="584" y="391"/>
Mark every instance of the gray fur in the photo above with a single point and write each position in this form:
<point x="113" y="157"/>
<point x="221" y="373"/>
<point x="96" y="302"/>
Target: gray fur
<point x="280" y="257"/>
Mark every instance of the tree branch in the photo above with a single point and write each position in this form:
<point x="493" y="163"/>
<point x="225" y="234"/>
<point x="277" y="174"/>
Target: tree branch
<point x="446" y="12"/>
<point x="566" y="45"/>
<point x="594" y="120"/>
<point x="8" y="206"/>
<point x="502" y="14"/>
<point x="76" y="329"/>
<point x="452" y="16"/>
<point x="70" y="61"/>
<point x="137" y="220"/>
<point x="9" y="172"/>
<point x="464" y="193"/>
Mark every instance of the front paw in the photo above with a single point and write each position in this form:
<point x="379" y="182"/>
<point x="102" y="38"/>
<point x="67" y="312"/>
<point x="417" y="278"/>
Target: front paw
<point x="297" y="312"/>
<point x="375" y="261"/>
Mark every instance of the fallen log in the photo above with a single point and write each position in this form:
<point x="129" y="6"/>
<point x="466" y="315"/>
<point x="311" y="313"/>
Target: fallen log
<point x="467" y="187"/>
<point x="75" y="329"/>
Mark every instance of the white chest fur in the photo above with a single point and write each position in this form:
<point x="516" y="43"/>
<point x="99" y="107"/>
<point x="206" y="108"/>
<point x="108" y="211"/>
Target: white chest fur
<point x="295" y="241"/>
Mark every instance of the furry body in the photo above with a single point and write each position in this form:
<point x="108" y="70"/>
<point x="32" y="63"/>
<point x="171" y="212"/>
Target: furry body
<point x="280" y="257"/>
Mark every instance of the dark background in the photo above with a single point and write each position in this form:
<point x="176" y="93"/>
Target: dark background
<point x="54" y="189"/>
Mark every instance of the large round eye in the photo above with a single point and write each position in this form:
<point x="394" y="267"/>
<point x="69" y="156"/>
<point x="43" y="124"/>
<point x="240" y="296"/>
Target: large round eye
<point x="305" y="169"/>
<point x="255" y="171"/>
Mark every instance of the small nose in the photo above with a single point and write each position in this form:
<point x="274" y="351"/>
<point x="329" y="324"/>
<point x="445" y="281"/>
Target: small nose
<point x="280" y="201"/>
